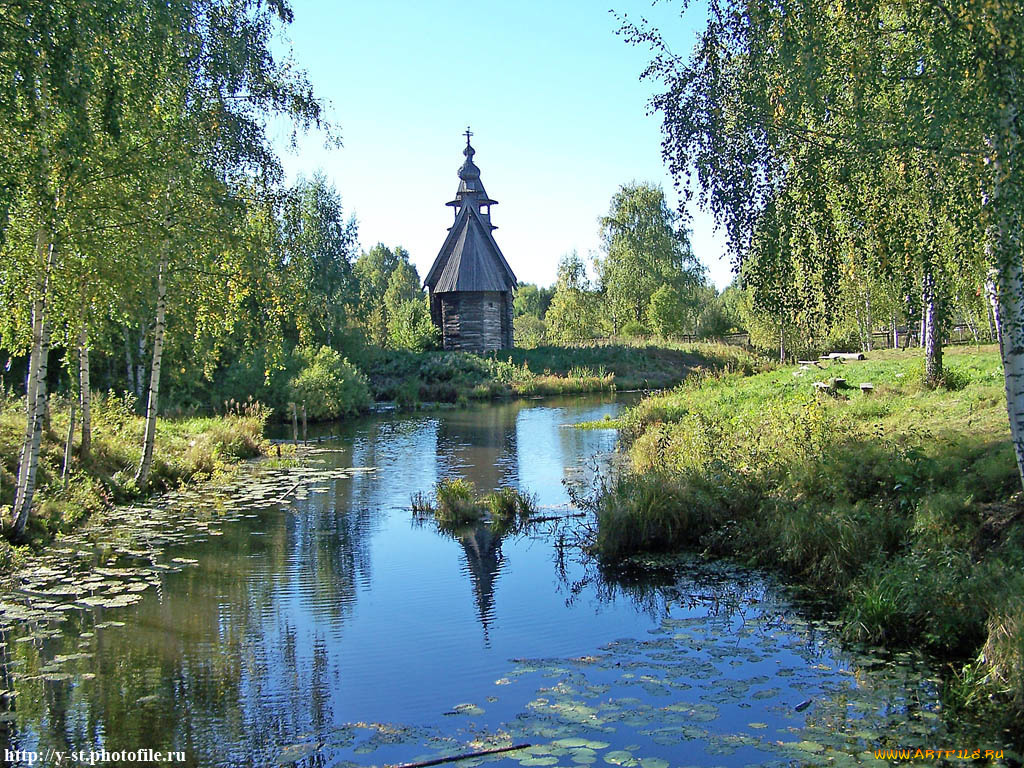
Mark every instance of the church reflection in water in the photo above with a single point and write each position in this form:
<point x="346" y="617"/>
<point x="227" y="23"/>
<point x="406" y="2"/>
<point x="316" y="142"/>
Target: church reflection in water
<point x="317" y="612"/>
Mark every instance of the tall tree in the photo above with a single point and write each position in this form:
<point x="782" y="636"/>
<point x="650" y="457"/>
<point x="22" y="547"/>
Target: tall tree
<point x="129" y="98"/>
<point x="781" y="98"/>
<point x="374" y="269"/>
<point x="645" y="248"/>
<point x="319" y="245"/>
<point x="572" y="316"/>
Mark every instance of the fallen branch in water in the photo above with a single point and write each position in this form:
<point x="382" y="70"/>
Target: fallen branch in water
<point x="463" y="756"/>
<point x="549" y="518"/>
<point x="287" y="494"/>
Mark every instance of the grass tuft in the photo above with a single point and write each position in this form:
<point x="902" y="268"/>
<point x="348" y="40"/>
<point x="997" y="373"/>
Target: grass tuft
<point x="510" y="509"/>
<point x="457" y="504"/>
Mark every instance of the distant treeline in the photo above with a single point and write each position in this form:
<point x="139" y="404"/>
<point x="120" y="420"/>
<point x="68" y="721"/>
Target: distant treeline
<point x="649" y="284"/>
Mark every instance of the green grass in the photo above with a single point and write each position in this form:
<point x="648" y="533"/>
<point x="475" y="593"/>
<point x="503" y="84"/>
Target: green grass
<point x="510" y="509"/>
<point x="409" y="378"/>
<point x="897" y="505"/>
<point x="457" y="503"/>
<point x="187" y="449"/>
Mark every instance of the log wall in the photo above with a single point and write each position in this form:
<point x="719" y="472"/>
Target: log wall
<point x="475" y="321"/>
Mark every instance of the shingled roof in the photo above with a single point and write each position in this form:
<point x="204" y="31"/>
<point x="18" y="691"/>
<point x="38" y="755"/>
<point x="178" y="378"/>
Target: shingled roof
<point x="470" y="260"/>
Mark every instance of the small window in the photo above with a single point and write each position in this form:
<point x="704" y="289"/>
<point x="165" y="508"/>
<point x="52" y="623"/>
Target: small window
<point x="490" y="305"/>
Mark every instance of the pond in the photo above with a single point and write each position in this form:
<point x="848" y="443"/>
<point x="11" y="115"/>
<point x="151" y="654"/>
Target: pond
<point x="305" y="617"/>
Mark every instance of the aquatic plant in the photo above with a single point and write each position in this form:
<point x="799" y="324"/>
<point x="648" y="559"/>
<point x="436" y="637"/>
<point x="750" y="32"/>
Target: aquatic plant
<point x="457" y="504"/>
<point x="421" y="503"/>
<point x="509" y="509"/>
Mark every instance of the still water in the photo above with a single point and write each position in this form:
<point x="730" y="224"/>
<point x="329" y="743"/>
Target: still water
<point x="305" y="617"/>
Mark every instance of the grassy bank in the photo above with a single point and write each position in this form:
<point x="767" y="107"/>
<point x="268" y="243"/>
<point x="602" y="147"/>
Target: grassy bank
<point x="899" y="505"/>
<point x="408" y="377"/>
<point x="187" y="449"/>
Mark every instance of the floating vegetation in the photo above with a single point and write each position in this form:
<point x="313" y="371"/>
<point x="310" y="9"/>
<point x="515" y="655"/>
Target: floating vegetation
<point x="457" y="505"/>
<point x="113" y="561"/>
<point x="510" y="509"/>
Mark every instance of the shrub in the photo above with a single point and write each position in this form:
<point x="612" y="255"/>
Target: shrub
<point x="634" y="330"/>
<point x="410" y="327"/>
<point x="529" y="331"/>
<point x="668" y="311"/>
<point x="329" y="384"/>
<point x="407" y="394"/>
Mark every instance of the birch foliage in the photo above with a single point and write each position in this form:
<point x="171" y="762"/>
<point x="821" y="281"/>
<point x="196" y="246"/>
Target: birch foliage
<point x="798" y="123"/>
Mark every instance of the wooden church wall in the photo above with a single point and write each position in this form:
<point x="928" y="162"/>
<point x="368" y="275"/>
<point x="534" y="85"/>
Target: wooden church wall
<point x="476" y="321"/>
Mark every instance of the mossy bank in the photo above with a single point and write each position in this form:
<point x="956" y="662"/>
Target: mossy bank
<point x="900" y="504"/>
<point x="187" y="450"/>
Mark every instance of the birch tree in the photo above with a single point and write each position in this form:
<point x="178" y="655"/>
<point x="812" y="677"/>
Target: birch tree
<point x="862" y="85"/>
<point x="153" y="87"/>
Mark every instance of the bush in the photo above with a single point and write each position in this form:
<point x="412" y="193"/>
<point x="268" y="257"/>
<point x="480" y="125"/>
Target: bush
<point x="329" y="385"/>
<point x="634" y="330"/>
<point x="529" y="331"/>
<point x="407" y="394"/>
<point x="410" y="327"/>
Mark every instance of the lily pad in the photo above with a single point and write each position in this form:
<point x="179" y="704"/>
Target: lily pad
<point x="292" y="754"/>
<point x="466" y="709"/>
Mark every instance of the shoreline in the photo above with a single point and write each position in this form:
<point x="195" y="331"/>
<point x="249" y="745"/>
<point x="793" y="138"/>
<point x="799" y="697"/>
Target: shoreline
<point x="189" y="452"/>
<point x="897" y="505"/>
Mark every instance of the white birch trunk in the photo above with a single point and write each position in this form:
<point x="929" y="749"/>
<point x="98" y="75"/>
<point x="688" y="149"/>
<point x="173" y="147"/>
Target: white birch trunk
<point x="36" y="394"/>
<point x="931" y="330"/>
<point x="38" y="312"/>
<point x="152" y="401"/>
<point x="84" y="394"/>
<point x="23" y="504"/>
<point x="1005" y="285"/>
<point x="1004" y="248"/>
<point x="140" y="367"/>
<point x="1010" y="322"/>
<point x="993" y="301"/>
<point x="868" y="320"/>
<point x="68" y="445"/>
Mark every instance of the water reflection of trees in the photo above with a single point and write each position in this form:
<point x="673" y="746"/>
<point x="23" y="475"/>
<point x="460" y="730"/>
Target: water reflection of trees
<point x="660" y="585"/>
<point x="228" y="662"/>
<point x="232" y="659"/>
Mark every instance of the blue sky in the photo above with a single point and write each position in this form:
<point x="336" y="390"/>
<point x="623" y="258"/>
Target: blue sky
<point x="553" y="95"/>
